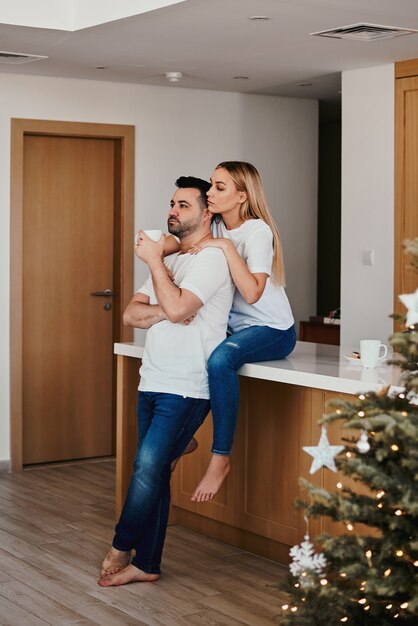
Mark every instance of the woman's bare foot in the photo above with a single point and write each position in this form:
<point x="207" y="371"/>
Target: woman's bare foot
<point x="218" y="470"/>
<point x="191" y="447"/>
<point x="114" y="561"/>
<point x="129" y="574"/>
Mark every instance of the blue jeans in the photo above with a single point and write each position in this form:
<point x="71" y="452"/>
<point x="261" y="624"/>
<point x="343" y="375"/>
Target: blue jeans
<point x="251" y="345"/>
<point x="166" y="423"/>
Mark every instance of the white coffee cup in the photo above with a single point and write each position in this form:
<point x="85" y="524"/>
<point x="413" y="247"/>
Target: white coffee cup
<point x="370" y="352"/>
<point x="155" y="235"/>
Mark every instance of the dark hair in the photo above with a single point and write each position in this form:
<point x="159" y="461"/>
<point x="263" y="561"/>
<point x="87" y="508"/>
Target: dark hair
<point x="187" y="182"/>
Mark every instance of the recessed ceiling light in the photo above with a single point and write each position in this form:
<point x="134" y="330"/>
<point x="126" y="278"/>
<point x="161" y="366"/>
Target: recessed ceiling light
<point x="241" y="78"/>
<point x="305" y="84"/>
<point x="173" y="77"/>
<point x="259" y="18"/>
<point x="101" y="67"/>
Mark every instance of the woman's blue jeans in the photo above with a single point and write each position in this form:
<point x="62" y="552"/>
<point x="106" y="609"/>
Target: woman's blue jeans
<point x="166" y="423"/>
<point x="251" y="345"/>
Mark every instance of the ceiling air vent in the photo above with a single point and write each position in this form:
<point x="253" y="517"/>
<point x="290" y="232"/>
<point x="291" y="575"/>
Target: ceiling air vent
<point x="17" y="57"/>
<point x="365" y="32"/>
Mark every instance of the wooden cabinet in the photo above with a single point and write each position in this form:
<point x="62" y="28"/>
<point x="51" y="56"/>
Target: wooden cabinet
<point x="406" y="167"/>
<point x="255" y="508"/>
<point x="320" y="333"/>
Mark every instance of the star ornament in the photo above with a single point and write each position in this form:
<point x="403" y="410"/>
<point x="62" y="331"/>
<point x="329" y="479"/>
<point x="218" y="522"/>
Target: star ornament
<point x="410" y="300"/>
<point x="323" y="454"/>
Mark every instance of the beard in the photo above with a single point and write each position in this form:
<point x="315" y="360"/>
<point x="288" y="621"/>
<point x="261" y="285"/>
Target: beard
<point x="182" y="229"/>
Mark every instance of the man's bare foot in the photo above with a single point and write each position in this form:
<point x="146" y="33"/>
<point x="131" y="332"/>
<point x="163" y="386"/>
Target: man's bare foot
<point x="114" y="561"/>
<point x="191" y="447"/>
<point x="129" y="574"/>
<point x="211" y="482"/>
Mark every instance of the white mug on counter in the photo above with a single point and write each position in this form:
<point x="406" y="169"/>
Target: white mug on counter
<point x="370" y="352"/>
<point x="155" y="235"/>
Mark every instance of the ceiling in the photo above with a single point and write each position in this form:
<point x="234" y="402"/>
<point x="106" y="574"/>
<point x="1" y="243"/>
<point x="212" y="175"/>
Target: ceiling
<point x="213" y="41"/>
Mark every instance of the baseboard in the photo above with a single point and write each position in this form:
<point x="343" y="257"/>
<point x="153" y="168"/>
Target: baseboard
<point x="4" y="466"/>
<point x="236" y="536"/>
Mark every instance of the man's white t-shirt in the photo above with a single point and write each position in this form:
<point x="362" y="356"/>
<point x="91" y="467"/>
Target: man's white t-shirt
<point x="254" y="243"/>
<point x="175" y="355"/>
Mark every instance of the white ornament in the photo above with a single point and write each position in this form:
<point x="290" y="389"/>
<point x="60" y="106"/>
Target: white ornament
<point x="305" y="563"/>
<point x="323" y="454"/>
<point x="363" y="444"/>
<point x="410" y="300"/>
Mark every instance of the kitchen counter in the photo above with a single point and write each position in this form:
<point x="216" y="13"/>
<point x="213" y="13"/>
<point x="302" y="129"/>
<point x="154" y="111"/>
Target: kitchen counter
<point x="315" y="365"/>
<point x="282" y="403"/>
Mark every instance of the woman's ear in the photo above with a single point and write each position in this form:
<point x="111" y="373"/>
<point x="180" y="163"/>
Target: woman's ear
<point x="242" y="197"/>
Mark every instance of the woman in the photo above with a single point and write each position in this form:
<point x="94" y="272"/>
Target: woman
<point x="261" y="321"/>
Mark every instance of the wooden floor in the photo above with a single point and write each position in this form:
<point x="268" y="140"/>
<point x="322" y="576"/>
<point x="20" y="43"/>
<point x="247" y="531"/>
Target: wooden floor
<point x="56" y="524"/>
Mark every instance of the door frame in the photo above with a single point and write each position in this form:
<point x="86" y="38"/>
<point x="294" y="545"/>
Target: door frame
<point x="124" y="137"/>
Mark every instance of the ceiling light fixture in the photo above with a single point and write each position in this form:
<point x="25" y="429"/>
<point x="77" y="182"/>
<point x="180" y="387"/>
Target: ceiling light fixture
<point x="241" y="78"/>
<point x="173" y="77"/>
<point x="259" y="18"/>
<point x="101" y="67"/>
<point x="305" y="84"/>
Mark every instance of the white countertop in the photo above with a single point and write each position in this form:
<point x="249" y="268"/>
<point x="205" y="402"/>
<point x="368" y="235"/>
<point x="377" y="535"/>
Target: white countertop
<point x="310" y="365"/>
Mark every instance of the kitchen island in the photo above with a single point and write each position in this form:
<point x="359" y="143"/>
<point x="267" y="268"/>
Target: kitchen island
<point x="281" y="405"/>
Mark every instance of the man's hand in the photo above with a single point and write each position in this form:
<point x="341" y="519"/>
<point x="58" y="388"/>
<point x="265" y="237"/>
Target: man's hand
<point x="148" y="250"/>
<point x="190" y="319"/>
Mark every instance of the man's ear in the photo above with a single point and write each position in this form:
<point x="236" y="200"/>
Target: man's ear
<point x="207" y="215"/>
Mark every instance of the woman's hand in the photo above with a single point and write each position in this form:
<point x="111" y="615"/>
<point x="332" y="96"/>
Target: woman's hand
<point x="219" y="242"/>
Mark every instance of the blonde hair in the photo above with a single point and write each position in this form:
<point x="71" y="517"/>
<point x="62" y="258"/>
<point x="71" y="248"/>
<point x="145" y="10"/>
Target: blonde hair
<point x="247" y="178"/>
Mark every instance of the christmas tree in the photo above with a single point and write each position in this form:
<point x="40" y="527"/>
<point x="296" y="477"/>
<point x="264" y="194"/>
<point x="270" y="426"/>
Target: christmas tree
<point x="368" y="578"/>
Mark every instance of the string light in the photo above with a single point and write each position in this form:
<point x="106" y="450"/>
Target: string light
<point x="343" y="575"/>
<point x="380" y="505"/>
<point x="404" y="414"/>
<point x="387" y="572"/>
<point x="404" y="605"/>
<point x="350" y="526"/>
<point x="362" y="601"/>
<point x="369" y="554"/>
<point x="401" y="395"/>
<point x="389" y="606"/>
<point x="380" y="494"/>
<point x="399" y="552"/>
<point x="338" y="411"/>
<point x="348" y="455"/>
<point x="339" y="485"/>
<point x="366" y="608"/>
<point x="344" y="619"/>
<point x="398" y="512"/>
<point x="394" y="447"/>
<point x="416" y="563"/>
<point x="361" y="414"/>
<point x="362" y="396"/>
<point x="294" y="609"/>
<point x="323" y="582"/>
<point x="286" y="606"/>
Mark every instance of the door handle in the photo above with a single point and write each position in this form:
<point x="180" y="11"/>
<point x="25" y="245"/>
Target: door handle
<point x="107" y="293"/>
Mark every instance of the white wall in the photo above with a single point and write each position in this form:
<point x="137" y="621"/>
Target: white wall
<point x="367" y="204"/>
<point x="178" y="132"/>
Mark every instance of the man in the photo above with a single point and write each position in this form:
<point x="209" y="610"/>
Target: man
<point x="187" y="319"/>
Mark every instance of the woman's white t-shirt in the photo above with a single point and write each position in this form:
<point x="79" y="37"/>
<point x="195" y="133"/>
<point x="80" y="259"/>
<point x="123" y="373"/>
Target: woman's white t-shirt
<point x="254" y="242"/>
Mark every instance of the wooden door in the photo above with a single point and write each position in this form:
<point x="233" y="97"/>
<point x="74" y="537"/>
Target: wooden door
<point x="68" y="222"/>
<point x="406" y="180"/>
